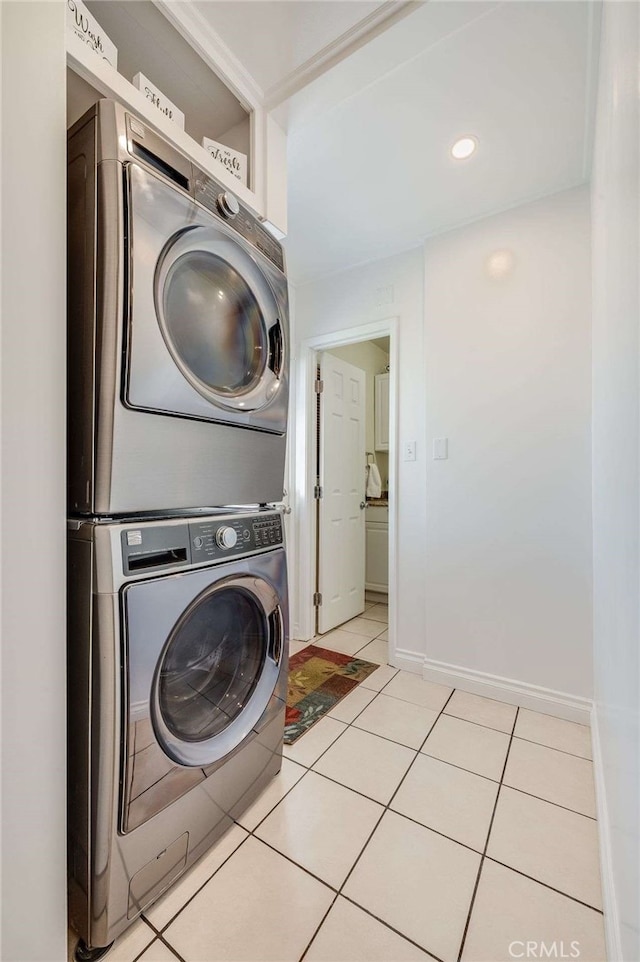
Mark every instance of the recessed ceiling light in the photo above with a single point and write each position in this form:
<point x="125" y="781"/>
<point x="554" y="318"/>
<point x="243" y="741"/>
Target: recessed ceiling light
<point x="464" y="147"/>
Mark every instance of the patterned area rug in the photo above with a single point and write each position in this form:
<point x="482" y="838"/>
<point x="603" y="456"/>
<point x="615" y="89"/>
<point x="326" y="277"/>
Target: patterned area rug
<point x="318" y="680"/>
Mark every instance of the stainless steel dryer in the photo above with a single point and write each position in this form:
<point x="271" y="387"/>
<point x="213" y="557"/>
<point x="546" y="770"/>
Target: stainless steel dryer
<point x="178" y="639"/>
<point x="178" y="330"/>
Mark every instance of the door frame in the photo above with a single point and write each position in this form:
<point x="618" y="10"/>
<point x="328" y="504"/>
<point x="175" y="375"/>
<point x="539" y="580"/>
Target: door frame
<point x="305" y="476"/>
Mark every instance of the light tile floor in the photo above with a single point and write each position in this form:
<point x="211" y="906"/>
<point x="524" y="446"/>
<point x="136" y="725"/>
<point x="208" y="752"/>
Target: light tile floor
<point x="412" y="823"/>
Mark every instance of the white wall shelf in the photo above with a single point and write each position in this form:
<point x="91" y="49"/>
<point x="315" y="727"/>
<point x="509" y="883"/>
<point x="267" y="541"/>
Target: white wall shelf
<point x="251" y="127"/>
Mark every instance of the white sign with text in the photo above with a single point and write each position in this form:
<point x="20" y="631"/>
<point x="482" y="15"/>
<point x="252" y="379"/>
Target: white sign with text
<point x="234" y="162"/>
<point x="158" y="99"/>
<point x="85" y="26"/>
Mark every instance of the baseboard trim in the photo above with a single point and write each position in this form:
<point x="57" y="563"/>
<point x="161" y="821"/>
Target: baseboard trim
<point x="609" y="902"/>
<point x="377" y="597"/>
<point x="520" y="693"/>
<point x="407" y="660"/>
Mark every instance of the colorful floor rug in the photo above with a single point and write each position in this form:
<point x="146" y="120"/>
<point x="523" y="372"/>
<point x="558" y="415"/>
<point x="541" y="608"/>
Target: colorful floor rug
<point x="318" y="680"/>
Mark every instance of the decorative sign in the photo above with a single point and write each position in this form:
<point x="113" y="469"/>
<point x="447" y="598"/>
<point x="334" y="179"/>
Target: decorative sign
<point x="85" y="26"/>
<point x="233" y="161"/>
<point x="158" y="99"/>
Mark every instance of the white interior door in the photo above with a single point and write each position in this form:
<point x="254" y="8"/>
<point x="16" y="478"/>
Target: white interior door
<point x="341" y="537"/>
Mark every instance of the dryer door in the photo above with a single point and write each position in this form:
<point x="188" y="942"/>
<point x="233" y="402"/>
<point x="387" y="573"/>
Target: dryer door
<point x="220" y="320"/>
<point x="208" y="324"/>
<point x="206" y="660"/>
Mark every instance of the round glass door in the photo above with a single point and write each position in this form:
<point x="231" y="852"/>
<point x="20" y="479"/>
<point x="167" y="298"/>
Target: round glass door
<point x="219" y="319"/>
<point x="214" y="323"/>
<point x="217" y="672"/>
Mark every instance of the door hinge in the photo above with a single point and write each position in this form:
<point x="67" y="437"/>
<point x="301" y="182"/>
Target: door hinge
<point x="317" y="599"/>
<point x="317" y="492"/>
<point x="319" y="386"/>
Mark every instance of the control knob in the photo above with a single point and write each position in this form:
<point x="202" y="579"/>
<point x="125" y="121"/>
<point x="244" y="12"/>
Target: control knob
<point x="228" y="205"/>
<point x="226" y="537"/>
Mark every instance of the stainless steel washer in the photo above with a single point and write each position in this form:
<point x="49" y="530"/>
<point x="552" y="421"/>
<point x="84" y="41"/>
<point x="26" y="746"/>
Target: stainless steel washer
<point x="178" y="330"/>
<point x="178" y="638"/>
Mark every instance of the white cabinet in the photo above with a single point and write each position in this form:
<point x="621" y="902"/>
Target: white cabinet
<point x="381" y="415"/>
<point x="377" y="549"/>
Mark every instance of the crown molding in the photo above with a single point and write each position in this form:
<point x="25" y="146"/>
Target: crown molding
<point x="198" y="32"/>
<point x="594" y="30"/>
<point x="362" y="32"/>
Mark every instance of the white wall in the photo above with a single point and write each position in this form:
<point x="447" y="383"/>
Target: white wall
<point x="616" y="478"/>
<point x="508" y="539"/>
<point x="32" y="255"/>
<point x="498" y="535"/>
<point x="353" y="298"/>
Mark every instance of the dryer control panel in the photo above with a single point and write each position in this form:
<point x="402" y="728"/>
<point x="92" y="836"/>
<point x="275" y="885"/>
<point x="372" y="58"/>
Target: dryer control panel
<point x="215" y="197"/>
<point x="149" y="547"/>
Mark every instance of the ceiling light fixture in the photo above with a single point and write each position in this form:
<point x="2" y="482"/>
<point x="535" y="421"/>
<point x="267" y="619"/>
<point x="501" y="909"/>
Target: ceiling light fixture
<point x="500" y="264"/>
<point x="464" y="148"/>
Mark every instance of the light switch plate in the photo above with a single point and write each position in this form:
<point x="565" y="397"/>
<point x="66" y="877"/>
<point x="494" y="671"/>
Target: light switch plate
<point x="440" y="449"/>
<point x="409" y="450"/>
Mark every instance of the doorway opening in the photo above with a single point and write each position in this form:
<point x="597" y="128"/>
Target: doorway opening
<point x="347" y="515"/>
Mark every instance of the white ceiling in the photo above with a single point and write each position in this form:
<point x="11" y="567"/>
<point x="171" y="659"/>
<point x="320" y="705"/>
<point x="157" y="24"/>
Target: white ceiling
<point x="369" y="165"/>
<point x="285" y="43"/>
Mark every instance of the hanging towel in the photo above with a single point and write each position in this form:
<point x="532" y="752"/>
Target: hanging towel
<point x="374" y="481"/>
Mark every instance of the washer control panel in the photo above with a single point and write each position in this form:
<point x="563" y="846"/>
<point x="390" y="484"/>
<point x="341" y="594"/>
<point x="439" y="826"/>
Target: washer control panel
<point x="147" y="547"/>
<point x="230" y="536"/>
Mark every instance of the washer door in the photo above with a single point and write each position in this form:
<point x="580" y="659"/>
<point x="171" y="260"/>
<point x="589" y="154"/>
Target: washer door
<point x="218" y="671"/>
<point x="205" y="670"/>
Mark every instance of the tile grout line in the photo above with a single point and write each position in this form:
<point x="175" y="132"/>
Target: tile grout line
<point x="480" y="724"/>
<point x="450" y="838"/>
<point x="424" y="741"/>
<point x="171" y="949"/>
<point x="356" y="717"/>
<point x="140" y="954"/>
<point x="387" y="807"/>
<point x="319" y="926"/>
<point x="395" y="811"/>
<point x="302" y="868"/>
<point x="469" y="771"/>
<point x="486" y="844"/>
<point x="346" y="725"/>
<point x="164" y="928"/>
<point x="573" y="811"/>
<point x="546" y="885"/>
<point x="157" y="938"/>
<point x="159" y="933"/>
<point x="402" y="935"/>
<point x="506" y="784"/>
<point x="251" y="832"/>
<point x="531" y="741"/>
<point x="552" y="748"/>
<point x="386" y="738"/>
<point x="373" y="831"/>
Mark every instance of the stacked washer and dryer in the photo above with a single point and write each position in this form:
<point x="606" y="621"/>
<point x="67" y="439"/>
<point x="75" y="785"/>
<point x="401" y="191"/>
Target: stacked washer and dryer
<point x="178" y="614"/>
